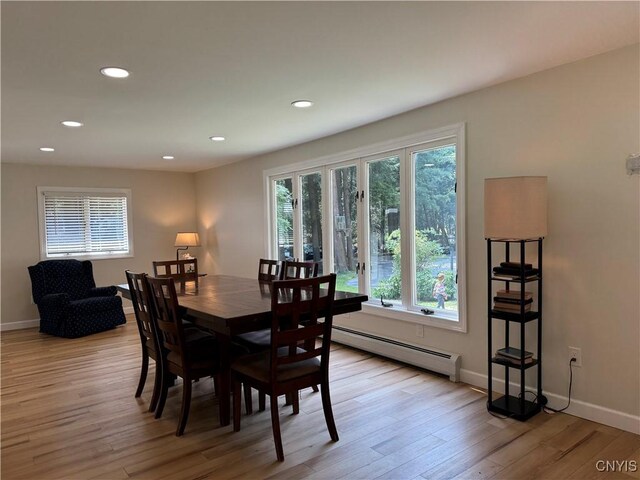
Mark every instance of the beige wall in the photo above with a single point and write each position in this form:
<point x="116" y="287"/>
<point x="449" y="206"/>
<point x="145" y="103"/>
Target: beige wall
<point x="163" y="203"/>
<point x="575" y="124"/>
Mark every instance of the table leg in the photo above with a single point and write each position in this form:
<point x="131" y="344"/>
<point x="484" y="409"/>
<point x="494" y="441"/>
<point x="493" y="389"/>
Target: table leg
<point x="224" y="392"/>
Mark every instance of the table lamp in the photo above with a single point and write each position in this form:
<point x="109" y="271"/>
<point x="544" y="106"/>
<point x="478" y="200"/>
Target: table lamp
<point x="184" y="240"/>
<point x="515" y="208"/>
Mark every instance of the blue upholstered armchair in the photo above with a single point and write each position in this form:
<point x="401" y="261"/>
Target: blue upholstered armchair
<point x="69" y="303"/>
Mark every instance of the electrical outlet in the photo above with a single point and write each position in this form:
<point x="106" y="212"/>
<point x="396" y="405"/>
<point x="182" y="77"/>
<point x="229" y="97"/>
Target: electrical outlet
<point x="420" y="331"/>
<point x="575" y="352"/>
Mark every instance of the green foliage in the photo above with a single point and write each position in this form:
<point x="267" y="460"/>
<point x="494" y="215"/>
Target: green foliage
<point x="435" y="208"/>
<point x="284" y="214"/>
<point x="384" y="192"/>
<point x="427" y="251"/>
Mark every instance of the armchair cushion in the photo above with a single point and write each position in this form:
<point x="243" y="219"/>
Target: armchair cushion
<point x="55" y="300"/>
<point x="88" y="306"/>
<point x="109" y="291"/>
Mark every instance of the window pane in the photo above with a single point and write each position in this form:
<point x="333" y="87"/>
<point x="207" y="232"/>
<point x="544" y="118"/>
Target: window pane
<point x="384" y="228"/>
<point x="284" y="218"/>
<point x="435" y="228"/>
<point x="81" y="224"/>
<point x="311" y="191"/>
<point x="344" y="187"/>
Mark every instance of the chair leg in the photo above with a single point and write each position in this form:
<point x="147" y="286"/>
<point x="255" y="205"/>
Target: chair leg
<point x="295" y="401"/>
<point x="310" y="344"/>
<point x="186" y="404"/>
<point x="248" y="402"/>
<point x="164" y="389"/>
<point x="262" y="402"/>
<point x="328" y="412"/>
<point x="275" y="425"/>
<point x="143" y="373"/>
<point x="216" y="386"/>
<point x="236" y="404"/>
<point x="157" y="385"/>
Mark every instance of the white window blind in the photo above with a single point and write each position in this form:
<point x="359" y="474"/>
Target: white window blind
<point x="85" y="223"/>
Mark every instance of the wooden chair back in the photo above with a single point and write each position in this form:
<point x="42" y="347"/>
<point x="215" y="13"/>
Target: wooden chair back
<point x="164" y="301"/>
<point x="295" y="270"/>
<point x="268" y="270"/>
<point x="180" y="270"/>
<point x="295" y="308"/>
<point x="140" y="299"/>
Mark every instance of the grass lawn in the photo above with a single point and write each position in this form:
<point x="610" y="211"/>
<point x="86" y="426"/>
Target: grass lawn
<point x="342" y="286"/>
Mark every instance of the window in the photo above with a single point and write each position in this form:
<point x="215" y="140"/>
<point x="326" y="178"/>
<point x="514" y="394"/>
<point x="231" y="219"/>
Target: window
<point x="388" y="219"/>
<point x="84" y="223"/>
<point x="297" y="211"/>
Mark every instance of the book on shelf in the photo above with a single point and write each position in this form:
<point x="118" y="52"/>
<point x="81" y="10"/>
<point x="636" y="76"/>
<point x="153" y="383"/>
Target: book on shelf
<point x="518" y="265"/>
<point x="514" y="361"/>
<point x="513" y="352"/>
<point x="513" y="278"/>
<point x="509" y="307"/>
<point x="512" y="301"/>
<point x="514" y="273"/>
<point x="514" y="294"/>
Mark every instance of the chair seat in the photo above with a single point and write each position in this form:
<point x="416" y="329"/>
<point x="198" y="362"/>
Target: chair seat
<point x="257" y="366"/>
<point x="91" y="305"/>
<point x="202" y="348"/>
<point x="255" y="341"/>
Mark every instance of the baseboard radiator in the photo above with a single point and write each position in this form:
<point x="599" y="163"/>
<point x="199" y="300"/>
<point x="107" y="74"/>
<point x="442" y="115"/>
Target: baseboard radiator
<point x="437" y="361"/>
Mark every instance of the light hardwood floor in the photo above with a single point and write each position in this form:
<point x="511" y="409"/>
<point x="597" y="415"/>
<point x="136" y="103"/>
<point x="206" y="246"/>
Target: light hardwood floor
<point x="68" y="412"/>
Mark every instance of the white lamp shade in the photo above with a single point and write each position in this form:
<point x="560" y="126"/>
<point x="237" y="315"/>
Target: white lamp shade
<point x="515" y="208"/>
<point x="187" y="239"/>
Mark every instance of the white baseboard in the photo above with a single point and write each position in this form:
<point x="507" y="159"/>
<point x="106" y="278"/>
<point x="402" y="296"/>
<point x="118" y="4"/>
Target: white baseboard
<point x="22" y="324"/>
<point x="578" y="408"/>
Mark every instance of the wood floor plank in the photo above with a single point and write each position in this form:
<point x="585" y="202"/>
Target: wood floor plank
<point x="69" y="412"/>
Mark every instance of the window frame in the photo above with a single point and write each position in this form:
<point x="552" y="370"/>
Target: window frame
<point x="83" y="191"/>
<point x="451" y="134"/>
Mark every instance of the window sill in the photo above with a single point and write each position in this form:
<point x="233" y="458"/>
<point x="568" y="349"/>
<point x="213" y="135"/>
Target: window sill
<point x="395" y="312"/>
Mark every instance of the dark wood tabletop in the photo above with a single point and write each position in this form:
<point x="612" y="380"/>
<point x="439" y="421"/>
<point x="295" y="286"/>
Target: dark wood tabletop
<point x="230" y="305"/>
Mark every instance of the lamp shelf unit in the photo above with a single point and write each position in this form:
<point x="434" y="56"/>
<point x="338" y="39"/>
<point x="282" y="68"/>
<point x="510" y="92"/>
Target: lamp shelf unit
<point x="515" y="406"/>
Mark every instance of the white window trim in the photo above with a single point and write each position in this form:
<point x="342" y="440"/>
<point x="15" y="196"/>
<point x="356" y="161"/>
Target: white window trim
<point x="82" y="190"/>
<point x="457" y="131"/>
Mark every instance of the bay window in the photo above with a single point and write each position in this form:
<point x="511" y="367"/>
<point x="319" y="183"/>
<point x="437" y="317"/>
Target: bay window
<point x="388" y="219"/>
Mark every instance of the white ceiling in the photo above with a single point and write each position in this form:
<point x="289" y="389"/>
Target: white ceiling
<point x="233" y="68"/>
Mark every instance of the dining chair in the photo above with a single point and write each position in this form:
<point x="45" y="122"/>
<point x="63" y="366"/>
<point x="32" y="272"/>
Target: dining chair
<point x="293" y="269"/>
<point x="148" y="334"/>
<point x="268" y="270"/>
<point x="181" y="271"/>
<point x="188" y="353"/>
<point x="260" y="340"/>
<point x="296" y="306"/>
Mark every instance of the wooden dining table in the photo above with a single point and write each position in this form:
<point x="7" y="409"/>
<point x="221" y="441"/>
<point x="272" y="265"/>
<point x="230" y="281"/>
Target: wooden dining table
<point x="228" y="306"/>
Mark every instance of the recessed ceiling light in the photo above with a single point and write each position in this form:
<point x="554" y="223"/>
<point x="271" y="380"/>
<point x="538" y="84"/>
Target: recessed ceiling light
<point x="114" y="72"/>
<point x="168" y="157"/>
<point x="302" y="103"/>
<point x="72" y="123"/>
<point x="47" y="149"/>
<point x="217" y="138"/>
